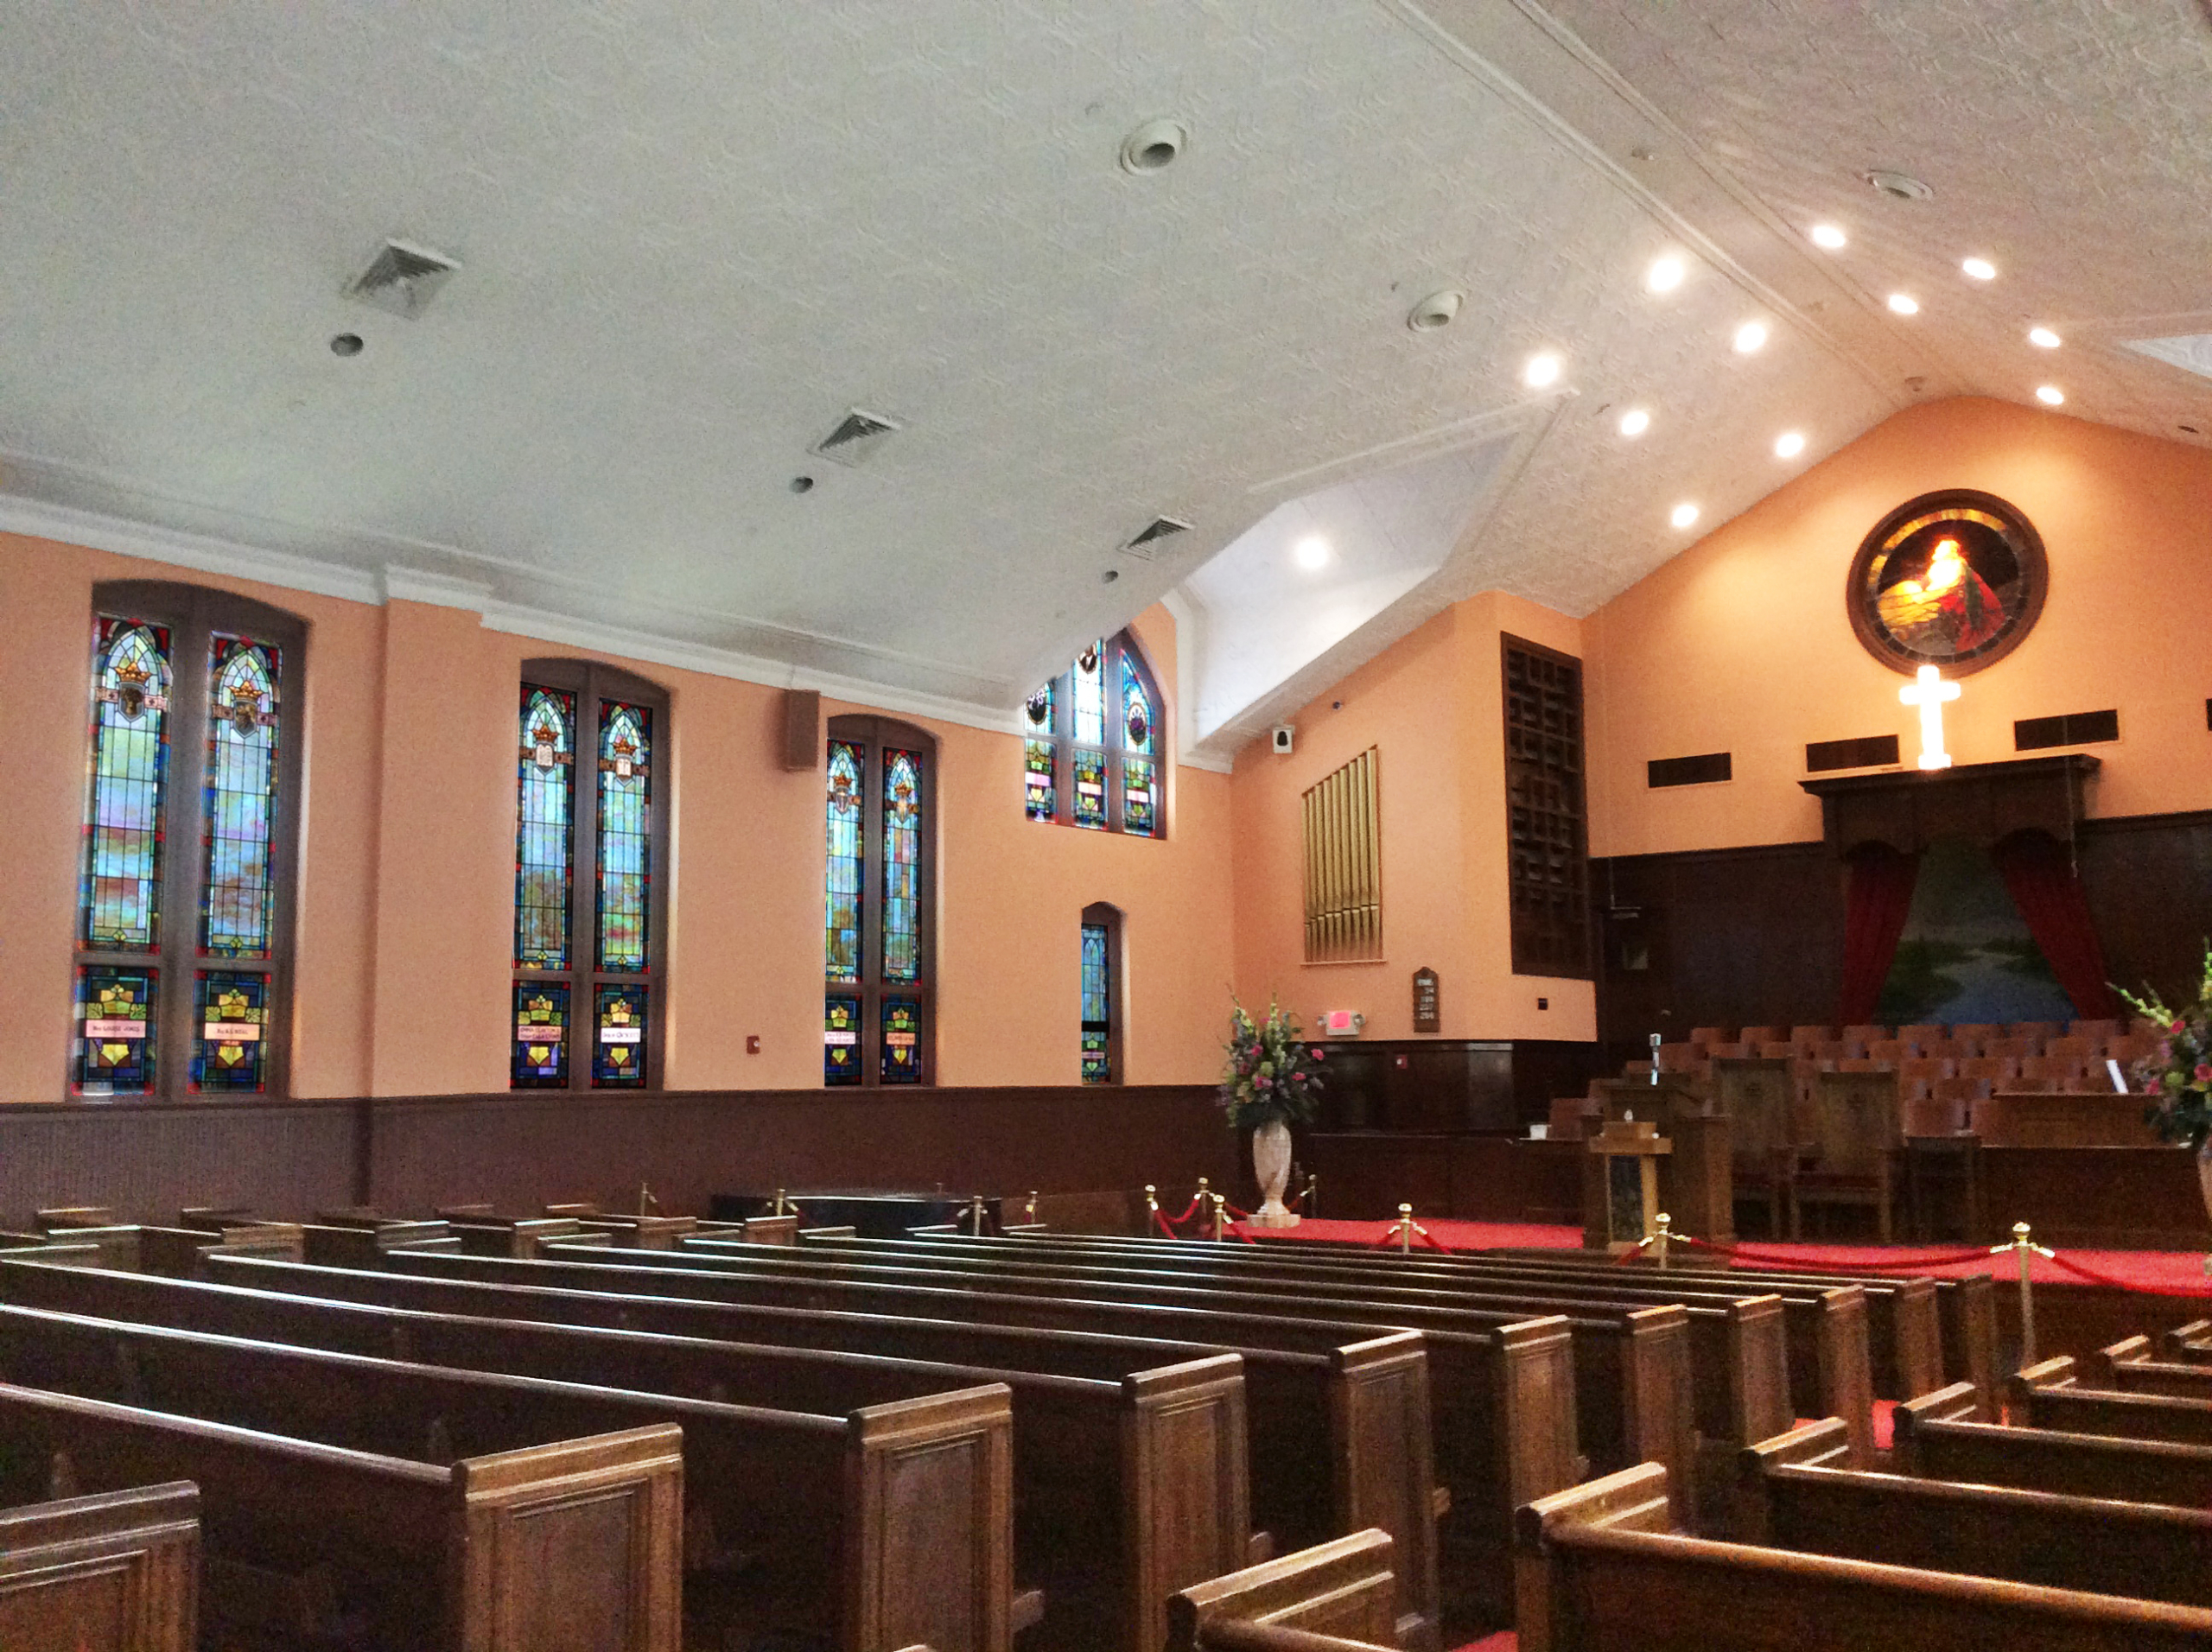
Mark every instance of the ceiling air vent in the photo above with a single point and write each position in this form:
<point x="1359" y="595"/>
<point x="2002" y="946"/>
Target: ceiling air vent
<point x="855" y="442"/>
<point x="403" y="278"/>
<point x="1156" y="532"/>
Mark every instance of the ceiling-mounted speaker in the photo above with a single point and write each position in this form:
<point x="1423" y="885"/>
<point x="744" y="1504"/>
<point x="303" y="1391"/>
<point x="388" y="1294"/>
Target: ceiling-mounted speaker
<point x="801" y="729"/>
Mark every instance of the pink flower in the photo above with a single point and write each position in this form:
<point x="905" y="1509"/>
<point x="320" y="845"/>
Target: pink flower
<point x="2204" y="1070"/>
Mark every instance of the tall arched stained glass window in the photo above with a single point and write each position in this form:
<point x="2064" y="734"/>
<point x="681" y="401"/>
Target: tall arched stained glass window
<point x="1091" y="744"/>
<point x="190" y="813"/>
<point x="1101" y="979"/>
<point x="878" y="990"/>
<point x="588" y="984"/>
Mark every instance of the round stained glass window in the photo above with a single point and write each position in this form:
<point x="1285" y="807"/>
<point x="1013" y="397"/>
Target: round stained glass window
<point x="1953" y="580"/>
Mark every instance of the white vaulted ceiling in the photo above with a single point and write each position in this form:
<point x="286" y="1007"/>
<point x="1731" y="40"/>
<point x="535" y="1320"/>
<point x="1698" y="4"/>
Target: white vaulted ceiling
<point x="693" y="234"/>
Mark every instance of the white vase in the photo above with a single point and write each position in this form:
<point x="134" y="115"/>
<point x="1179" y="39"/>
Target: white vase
<point x="1271" y="1165"/>
<point x="2204" y="1174"/>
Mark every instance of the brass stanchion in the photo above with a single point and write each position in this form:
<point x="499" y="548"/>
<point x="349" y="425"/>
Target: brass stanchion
<point x="1029" y="1211"/>
<point x="1407" y="1229"/>
<point x="2025" y="1249"/>
<point x="1659" y="1239"/>
<point x="779" y="1210"/>
<point x="1220" y="1216"/>
<point x="1313" y="1199"/>
<point x="647" y="1204"/>
<point x="975" y="1217"/>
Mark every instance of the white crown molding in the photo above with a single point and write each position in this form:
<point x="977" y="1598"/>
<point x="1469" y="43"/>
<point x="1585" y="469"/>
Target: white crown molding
<point x="203" y="553"/>
<point x="440" y="590"/>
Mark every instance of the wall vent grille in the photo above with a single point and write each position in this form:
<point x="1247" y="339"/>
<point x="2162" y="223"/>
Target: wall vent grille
<point x="1159" y="529"/>
<point x="1869" y="751"/>
<point x="858" y="438"/>
<point x="1708" y="768"/>
<point x="2075" y="728"/>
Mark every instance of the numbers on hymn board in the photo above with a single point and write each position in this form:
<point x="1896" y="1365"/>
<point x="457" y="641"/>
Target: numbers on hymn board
<point x="1427" y="1018"/>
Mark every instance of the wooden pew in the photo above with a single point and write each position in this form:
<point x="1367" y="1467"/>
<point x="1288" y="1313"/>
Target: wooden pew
<point x="2050" y="1395"/>
<point x="2131" y="1367"/>
<point x="1633" y="1358"/>
<point x="361" y="1245"/>
<point x="115" y="1572"/>
<point x="1341" y="1437"/>
<point x="889" y="1525"/>
<point x="1937" y="1439"/>
<point x="1343" y="1588"/>
<point x="1123" y="1490"/>
<point x="1796" y="1498"/>
<point x="482" y="1234"/>
<point x="1603" y="1575"/>
<point x="1738" y="1362"/>
<point x="572" y="1544"/>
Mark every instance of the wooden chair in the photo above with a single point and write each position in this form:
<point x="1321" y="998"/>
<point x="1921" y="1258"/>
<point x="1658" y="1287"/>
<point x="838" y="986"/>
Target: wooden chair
<point x="2025" y="1085"/>
<point x="2079" y="1047"/>
<point x="1778" y="1050"/>
<point x="1838" y="1050"/>
<point x="1977" y="1031"/>
<point x="1865" y="1034"/>
<point x="1569" y="1117"/>
<point x="2043" y="1031"/>
<point x="1711" y="1035"/>
<point x="1806" y="1037"/>
<point x="1728" y="1051"/>
<point x="2014" y="1047"/>
<point x="1858" y="1134"/>
<point x="1763" y="1035"/>
<point x="1927" y="1116"/>
<point x="2099" y="1030"/>
<point x="1762" y="1135"/>
<point x="2132" y="1047"/>
<point x="1680" y="1058"/>
<point x="2000" y="1071"/>
<point x="1895" y="1051"/>
<point x="2063" y="1071"/>
<point x="1862" y="1063"/>
<point x="1959" y="1090"/>
<point x="1924" y="1033"/>
<point x="1928" y="1068"/>
<point x="1948" y="1049"/>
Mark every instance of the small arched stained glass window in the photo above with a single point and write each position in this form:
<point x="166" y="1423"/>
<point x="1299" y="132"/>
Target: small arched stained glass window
<point x="1091" y="743"/>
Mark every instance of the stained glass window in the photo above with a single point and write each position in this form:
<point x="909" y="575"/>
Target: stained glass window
<point x="544" y="853"/>
<point x="902" y="1038"/>
<point x="123" y="833"/>
<point x="241" y="799"/>
<point x="902" y="854"/>
<point x="876" y="958"/>
<point x="841" y="1041"/>
<point x="1091" y="744"/>
<point x="540" y="1060"/>
<point x="618" y="1056"/>
<point x="115" y="1044"/>
<point x="233" y="1022"/>
<point x="624" y="827"/>
<point x="847" y="858"/>
<point x="1097" y="1007"/>
<point x="586" y="974"/>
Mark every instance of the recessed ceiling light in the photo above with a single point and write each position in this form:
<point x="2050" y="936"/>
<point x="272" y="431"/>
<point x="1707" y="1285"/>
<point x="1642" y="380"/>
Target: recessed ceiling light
<point x="1789" y="444"/>
<point x="1542" y="371"/>
<point x="1980" y="269"/>
<point x="1684" y="514"/>
<point x="1748" y="337"/>
<point x="1153" y="145"/>
<point x="1664" y="275"/>
<point x="1436" y="311"/>
<point x="1897" y="186"/>
<point x="1904" y="304"/>
<point x="2050" y="395"/>
<point x="1312" y="551"/>
<point x="346" y="344"/>
<point x="1635" y="421"/>
<point x="1828" y="236"/>
<point x="2043" y="337"/>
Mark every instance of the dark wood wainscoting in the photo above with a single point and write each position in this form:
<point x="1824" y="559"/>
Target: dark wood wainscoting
<point x="1449" y="1086"/>
<point x="517" y="1149"/>
<point x="1366" y="1174"/>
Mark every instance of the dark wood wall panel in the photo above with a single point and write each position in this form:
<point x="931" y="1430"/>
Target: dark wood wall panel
<point x="409" y="1154"/>
<point x="2148" y="881"/>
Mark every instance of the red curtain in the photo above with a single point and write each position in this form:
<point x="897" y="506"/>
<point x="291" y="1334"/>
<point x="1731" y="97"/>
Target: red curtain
<point x="2039" y="876"/>
<point x="1880" y="895"/>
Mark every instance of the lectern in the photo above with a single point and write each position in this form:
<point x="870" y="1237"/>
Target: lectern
<point x="1620" y="1185"/>
<point x="1695" y="1185"/>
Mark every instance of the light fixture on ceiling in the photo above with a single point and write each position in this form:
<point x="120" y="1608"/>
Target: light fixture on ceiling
<point x="1684" y="514"/>
<point x="1896" y="186"/>
<point x="1980" y="269"/>
<point x="346" y="344"/>
<point x="1789" y="444"/>
<point x="802" y="484"/>
<point x="1828" y="237"/>
<point x="2050" y="395"/>
<point x="1903" y="304"/>
<point x="1751" y="337"/>
<point x="1436" y="311"/>
<point x="1635" y="421"/>
<point x="1153" y="145"/>
<point x="1664" y="275"/>
<point x="1543" y="371"/>
<point x="2043" y="338"/>
<point x="1311" y="552"/>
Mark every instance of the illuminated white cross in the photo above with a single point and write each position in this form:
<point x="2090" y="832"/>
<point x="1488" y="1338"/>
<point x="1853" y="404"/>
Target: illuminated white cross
<point x="1929" y="694"/>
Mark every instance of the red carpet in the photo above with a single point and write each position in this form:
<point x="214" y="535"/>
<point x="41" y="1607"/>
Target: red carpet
<point x="2169" y="1272"/>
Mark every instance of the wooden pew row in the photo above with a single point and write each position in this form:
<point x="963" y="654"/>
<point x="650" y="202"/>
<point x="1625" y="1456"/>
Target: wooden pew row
<point x="1937" y="1440"/>
<point x="2131" y="1366"/>
<point x="1123" y="1490"/>
<point x="1797" y="1496"/>
<point x="1633" y="1386"/>
<point x="569" y="1545"/>
<point x="175" y="1251"/>
<point x="115" y="1572"/>
<point x="1341" y="1435"/>
<point x="1602" y="1573"/>
<point x="1738" y="1362"/>
<point x="2050" y="1394"/>
<point x="1339" y="1592"/>
<point x="891" y="1525"/>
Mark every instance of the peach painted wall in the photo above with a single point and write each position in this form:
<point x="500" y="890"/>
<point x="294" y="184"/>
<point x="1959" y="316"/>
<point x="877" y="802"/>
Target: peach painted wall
<point x="1432" y="705"/>
<point x="407" y="868"/>
<point x="1742" y="644"/>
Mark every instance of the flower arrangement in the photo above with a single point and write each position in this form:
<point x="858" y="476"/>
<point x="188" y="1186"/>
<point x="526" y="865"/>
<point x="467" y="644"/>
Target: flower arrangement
<point x="1269" y="1077"/>
<point x="2178" y="1078"/>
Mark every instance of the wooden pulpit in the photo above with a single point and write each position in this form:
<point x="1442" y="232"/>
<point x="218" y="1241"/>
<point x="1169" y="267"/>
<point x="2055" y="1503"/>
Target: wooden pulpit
<point x="1696" y="1182"/>
<point x="1620" y="1185"/>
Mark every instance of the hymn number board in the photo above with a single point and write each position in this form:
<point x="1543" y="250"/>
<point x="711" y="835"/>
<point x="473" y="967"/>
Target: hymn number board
<point x="1427" y="1016"/>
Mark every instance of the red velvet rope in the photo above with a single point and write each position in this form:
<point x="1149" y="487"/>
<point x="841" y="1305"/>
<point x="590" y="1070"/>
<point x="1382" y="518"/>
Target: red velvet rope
<point x="1164" y="1228"/>
<point x="2095" y="1277"/>
<point x="1784" y="1263"/>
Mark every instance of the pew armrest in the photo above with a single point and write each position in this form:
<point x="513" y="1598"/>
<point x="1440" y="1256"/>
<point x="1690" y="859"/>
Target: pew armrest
<point x="1026" y="1612"/>
<point x="2130" y="1350"/>
<point x="1344" y="1587"/>
<point x="1959" y="1402"/>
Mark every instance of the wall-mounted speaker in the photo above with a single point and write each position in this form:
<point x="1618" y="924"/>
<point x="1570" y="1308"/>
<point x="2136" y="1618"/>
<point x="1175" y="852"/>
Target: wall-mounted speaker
<point x="801" y="729"/>
<point x="1283" y="733"/>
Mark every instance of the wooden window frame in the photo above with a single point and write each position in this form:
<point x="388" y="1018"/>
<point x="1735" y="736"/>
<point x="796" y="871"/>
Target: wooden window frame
<point x="1105" y="915"/>
<point x="593" y="684"/>
<point x="193" y="613"/>
<point x="871" y="733"/>
<point x="1121" y="645"/>
<point x="1542" y="947"/>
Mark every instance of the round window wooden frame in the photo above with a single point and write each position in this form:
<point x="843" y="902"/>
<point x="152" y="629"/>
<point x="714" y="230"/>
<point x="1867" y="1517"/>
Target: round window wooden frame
<point x="2027" y="549"/>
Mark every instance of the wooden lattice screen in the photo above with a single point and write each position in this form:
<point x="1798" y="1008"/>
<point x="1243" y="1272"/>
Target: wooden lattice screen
<point x="1547" y="832"/>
